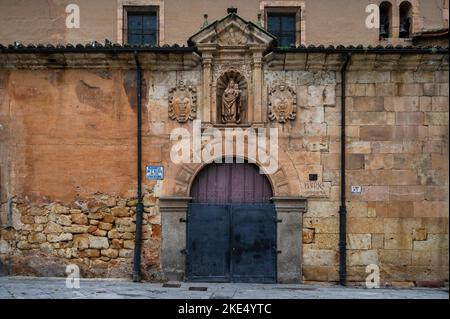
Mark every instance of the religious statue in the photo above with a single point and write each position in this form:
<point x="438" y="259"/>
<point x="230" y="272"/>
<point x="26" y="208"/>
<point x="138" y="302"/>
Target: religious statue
<point x="231" y="103"/>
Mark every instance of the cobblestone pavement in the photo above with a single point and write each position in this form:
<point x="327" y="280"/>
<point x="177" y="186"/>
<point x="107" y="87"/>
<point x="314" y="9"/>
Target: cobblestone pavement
<point x="55" y="288"/>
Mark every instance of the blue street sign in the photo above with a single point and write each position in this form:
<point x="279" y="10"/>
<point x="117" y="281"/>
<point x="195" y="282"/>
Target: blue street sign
<point x="154" y="172"/>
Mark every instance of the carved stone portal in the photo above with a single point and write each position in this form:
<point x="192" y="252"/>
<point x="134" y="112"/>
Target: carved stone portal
<point x="231" y="97"/>
<point x="282" y="103"/>
<point x="182" y="103"/>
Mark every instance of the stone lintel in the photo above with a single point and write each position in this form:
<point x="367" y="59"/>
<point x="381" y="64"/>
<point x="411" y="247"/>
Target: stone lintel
<point x="173" y="204"/>
<point x="286" y="204"/>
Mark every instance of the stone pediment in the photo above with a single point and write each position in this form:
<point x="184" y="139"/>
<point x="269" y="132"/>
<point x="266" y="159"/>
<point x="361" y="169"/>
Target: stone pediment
<point x="232" y="32"/>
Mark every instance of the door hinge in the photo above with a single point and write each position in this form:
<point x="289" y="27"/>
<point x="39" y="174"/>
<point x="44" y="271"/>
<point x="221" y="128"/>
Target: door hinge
<point x="278" y="251"/>
<point x="278" y="220"/>
<point x="184" y="251"/>
<point x="183" y="220"/>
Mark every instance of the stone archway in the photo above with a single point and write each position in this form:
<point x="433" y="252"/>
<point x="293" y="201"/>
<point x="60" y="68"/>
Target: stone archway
<point x="289" y="211"/>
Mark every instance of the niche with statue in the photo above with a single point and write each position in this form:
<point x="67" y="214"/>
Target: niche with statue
<point x="231" y="98"/>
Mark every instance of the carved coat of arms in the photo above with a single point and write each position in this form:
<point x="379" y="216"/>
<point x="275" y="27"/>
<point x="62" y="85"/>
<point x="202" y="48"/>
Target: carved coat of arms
<point x="282" y="103"/>
<point x="182" y="103"/>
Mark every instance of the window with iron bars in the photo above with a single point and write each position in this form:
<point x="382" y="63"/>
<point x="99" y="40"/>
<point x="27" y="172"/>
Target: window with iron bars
<point x="141" y="26"/>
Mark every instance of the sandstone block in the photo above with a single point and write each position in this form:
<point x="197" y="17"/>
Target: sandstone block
<point x="27" y="219"/>
<point x="36" y="238"/>
<point x="58" y="209"/>
<point x="379" y="161"/>
<point x="436" y="118"/>
<point x="98" y="242"/>
<point x="434" y="241"/>
<point x="105" y="226"/>
<point x="114" y="233"/>
<point x="359" y="241"/>
<point x="409" y="118"/>
<point x="127" y="235"/>
<point x="96" y="215"/>
<point x="365" y="225"/>
<point x="81" y="243"/>
<point x="132" y="202"/>
<point x="24" y="245"/>
<point x="395" y="257"/>
<point x="99" y="232"/>
<point x="401" y="225"/>
<point x="362" y="257"/>
<point x="90" y="253"/>
<point x="108" y="218"/>
<point x="116" y="243"/>
<point x="120" y="212"/>
<point x="4" y="247"/>
<point x="58" y="238"/>
<point x="128" y="244"/>
<point x="126" y="253"/>
<point x="377" y="241"/>
<point x="110" y="252"/>
<point x="319" y="257"/>
<point x="322" y="225"/>
<point x="398" y="241"/>
<point x="53" y="228"/>
<point x="40" y="219"/>
<point x="76" y="229"/>
<point x="401" y="104"/>
<point x="358" y="147"/>
<point x="419" y="234"/>
<point x="37" y="211"/>
<point x="80" y="219"/>
<point x="64" y="220"/>
<point x="440" y="103"/>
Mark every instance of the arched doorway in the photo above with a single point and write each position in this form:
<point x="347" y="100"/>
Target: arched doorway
<point x="231" y="225"/>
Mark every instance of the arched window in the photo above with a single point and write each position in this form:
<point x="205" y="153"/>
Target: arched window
<point x="385" y="20"/>
<point x="405" y="19"/>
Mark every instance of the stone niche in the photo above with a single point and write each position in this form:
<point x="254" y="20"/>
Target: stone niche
<point x="232" y="51"/>
<point x="231" y="98"/>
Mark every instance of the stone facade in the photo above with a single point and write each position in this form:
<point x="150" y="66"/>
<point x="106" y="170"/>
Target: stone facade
<point x="68" y="158"/>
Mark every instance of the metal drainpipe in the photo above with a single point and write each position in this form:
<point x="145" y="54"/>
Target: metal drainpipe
<point x="139" y="205"/>
<point x="343" y="206"/>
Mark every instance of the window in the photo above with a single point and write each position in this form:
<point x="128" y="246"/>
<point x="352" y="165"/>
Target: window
<point x="141" y="25"/>
<point x="283" y="25"/>
<point x="405" y="19"/>
<point x="385" y="20"/>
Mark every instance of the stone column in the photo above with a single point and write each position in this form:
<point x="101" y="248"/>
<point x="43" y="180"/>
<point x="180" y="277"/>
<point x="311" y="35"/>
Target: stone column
<point x="207" y="62"/>
<point x="289" y="238"/>
<point x="257" y="87"/>
<point x="173" y="236"/>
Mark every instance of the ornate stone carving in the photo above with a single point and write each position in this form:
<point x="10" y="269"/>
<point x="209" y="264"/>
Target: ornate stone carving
<point x="231" y="103"/>
<point x="182" y="103"/>
<point x="233" y="36"/>
<point x="231" y="98"/>
<point x="282" y="103"/>
<point x="227" y="66"/>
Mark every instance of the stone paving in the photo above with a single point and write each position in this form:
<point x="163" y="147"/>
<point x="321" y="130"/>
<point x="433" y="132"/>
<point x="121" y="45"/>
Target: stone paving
<point x="55" y="288"/>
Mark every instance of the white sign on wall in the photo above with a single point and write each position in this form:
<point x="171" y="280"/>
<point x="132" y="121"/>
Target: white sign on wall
<point x="356" y="189"/>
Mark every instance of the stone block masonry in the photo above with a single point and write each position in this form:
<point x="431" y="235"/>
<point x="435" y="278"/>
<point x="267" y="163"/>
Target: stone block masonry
<point x="97" y="235"/>
<point x="67" y="166"/>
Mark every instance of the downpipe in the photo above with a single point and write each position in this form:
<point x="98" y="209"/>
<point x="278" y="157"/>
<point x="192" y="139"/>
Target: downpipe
<point x="139" y="205"/>
<point x="343" y="206"/>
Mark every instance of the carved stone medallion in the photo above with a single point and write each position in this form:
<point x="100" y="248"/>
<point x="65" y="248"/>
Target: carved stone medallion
<point x="282" y="103"/>
<point x="182" y="103"/>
